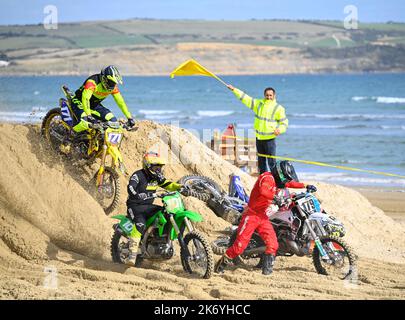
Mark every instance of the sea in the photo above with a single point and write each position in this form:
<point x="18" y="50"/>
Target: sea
<point x="351" y="120"/>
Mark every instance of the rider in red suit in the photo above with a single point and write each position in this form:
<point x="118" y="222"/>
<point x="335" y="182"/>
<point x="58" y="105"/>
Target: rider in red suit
<point x="255" y="217"/>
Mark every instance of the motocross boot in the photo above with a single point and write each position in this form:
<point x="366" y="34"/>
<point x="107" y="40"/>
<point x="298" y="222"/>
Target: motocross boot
<point x="133" y="247"/>
<point x="268" y="263"/>
<point x="260" y="264"/>
<point x="65" y="148"/>
<point x="222" y="264"/>
<point x="67" y="144"/>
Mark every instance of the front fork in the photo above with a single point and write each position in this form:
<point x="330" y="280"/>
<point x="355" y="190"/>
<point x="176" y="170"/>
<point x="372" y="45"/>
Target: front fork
<point x="317" y="241"/>
<point x="180" y="235"/>
<point x="100" y="174"/>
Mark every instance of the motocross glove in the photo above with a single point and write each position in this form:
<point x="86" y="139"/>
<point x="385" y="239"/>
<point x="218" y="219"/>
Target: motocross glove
<point x="278" y="200"/>
<point x="96" y="126"/>
<point x="143" y="196"/>
<point x="311" y="188"/>
<point x="90" y="119"/>
<point x="131" y="122"/>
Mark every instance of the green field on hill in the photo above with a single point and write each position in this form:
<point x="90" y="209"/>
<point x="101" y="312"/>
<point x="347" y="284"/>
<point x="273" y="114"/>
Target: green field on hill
<point x="295" y="34"/>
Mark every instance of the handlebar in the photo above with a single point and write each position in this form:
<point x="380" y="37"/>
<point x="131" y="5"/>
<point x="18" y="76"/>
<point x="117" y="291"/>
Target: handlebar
<point x="161" y="195"/>
<point x="299" y="196"/>
<point x="102" y="125"/>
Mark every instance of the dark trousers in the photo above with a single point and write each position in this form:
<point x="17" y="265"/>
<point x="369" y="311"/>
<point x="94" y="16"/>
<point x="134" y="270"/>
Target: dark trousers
<point x="266" y="147"/>
<point x="139" y="213"/>
<point x="99" y="112"/>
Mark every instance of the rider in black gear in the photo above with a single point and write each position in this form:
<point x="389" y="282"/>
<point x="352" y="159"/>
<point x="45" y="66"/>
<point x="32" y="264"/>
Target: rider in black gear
<point x="142" y="186"/>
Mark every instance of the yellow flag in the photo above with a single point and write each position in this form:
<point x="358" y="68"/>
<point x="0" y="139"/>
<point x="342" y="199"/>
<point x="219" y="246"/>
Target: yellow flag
<point x="193" y="68"/>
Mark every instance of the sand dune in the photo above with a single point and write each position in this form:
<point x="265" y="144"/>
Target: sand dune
<point x="49" y="221"/>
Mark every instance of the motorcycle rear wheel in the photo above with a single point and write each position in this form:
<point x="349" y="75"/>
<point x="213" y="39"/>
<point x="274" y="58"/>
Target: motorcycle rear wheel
<point x="52" y="126"/>
<point x="119" y="244"/>
<point x="220" y="245"/>
<point x="339" y="267"/>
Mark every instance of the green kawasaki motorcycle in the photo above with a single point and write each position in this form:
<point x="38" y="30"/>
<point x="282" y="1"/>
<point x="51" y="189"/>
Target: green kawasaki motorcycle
<point x="162" y="229"/>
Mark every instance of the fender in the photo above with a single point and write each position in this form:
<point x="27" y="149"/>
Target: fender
<point x="115" y="154"/>
<point x="193" y="216"/>
<point x="179" y="218"/>
<point x="127" y="227"/>
<point x="66" y="112"/>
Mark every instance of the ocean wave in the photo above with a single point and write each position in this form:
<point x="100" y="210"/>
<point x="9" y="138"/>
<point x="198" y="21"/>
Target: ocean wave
<point x="359" y="98"/>
<point x="392" y="127"/>
<point x="244" y="125"/>
<point x="293" y="126"/>
<point x="349" y="116"/>
<point x="35" y="115"/>
<point x="351" y="161"/>
<point x="215" y="113"/>
<point x="356" y="126"/>
<point x="390" y="100"/>
<point x="352" y="180"/>
<point x="21" y="117"/>
<point x="157" y="112"/>
<point x="172" y="118"/>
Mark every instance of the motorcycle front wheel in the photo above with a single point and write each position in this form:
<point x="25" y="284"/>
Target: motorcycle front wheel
<point x="200" y="262"/>
<point x="341" y="262"/>
<point x="196" y="183"/>
<point x="108" y="192"/>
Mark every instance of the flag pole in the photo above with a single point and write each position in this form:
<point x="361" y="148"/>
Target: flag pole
<point x="220" y="80"/>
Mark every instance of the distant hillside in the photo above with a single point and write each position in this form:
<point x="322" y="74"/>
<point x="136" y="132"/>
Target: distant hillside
<point x="232" y="47"/>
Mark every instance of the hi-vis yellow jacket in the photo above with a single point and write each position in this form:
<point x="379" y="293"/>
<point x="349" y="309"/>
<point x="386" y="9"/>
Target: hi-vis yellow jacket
<point x="269" y="115"/>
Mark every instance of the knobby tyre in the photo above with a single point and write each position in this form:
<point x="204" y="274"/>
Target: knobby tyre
<point x="115" y="247"/>
<point x="220" y="245"/>
<point x="114" y="194"/>
<point x="198" y="237"/>
<point x="344" y="249"/>
<point x="116" y="250"/>
<point x="46" y="127"/>
<point x="194" y="182"/>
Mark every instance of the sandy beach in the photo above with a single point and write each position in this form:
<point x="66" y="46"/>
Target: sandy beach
<point x="390" y="200"/>
<point x="48" y="227"/>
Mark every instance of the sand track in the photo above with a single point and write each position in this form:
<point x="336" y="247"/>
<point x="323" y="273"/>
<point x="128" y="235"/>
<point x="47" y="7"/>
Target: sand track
<point x="48" y="220"/>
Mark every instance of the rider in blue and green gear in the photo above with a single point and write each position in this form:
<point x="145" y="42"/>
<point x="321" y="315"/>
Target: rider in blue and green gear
<point x="86" y="104"/>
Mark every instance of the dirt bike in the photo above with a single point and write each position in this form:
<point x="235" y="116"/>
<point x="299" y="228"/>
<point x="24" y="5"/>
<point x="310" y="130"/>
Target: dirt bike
<point x="228" y="206"/>
<point x="162" y="229"/>
<point x="302" y="229"/>
<point x="101" y="140"/>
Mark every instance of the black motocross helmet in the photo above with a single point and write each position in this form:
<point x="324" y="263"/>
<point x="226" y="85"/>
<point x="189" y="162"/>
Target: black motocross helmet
<point x="283" y="172"/>
<point x="110" y="77"/>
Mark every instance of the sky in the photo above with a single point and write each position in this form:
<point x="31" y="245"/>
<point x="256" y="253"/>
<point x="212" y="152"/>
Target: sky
<point x="32" y="11"/>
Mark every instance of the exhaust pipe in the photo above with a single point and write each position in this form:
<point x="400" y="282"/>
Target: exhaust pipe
<point x="257" y="250"/>
<point x="293" y="247"/>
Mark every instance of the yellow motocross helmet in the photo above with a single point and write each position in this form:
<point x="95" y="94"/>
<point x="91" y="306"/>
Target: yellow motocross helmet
<point x="153" y="163"/>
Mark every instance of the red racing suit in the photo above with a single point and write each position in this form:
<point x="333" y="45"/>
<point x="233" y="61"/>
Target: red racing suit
<point x="255" y="217"/>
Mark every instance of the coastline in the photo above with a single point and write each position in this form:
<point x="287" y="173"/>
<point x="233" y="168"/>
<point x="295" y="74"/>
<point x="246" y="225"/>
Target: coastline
<point x="226" y="74"/>
<point x="389" y="199"/>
